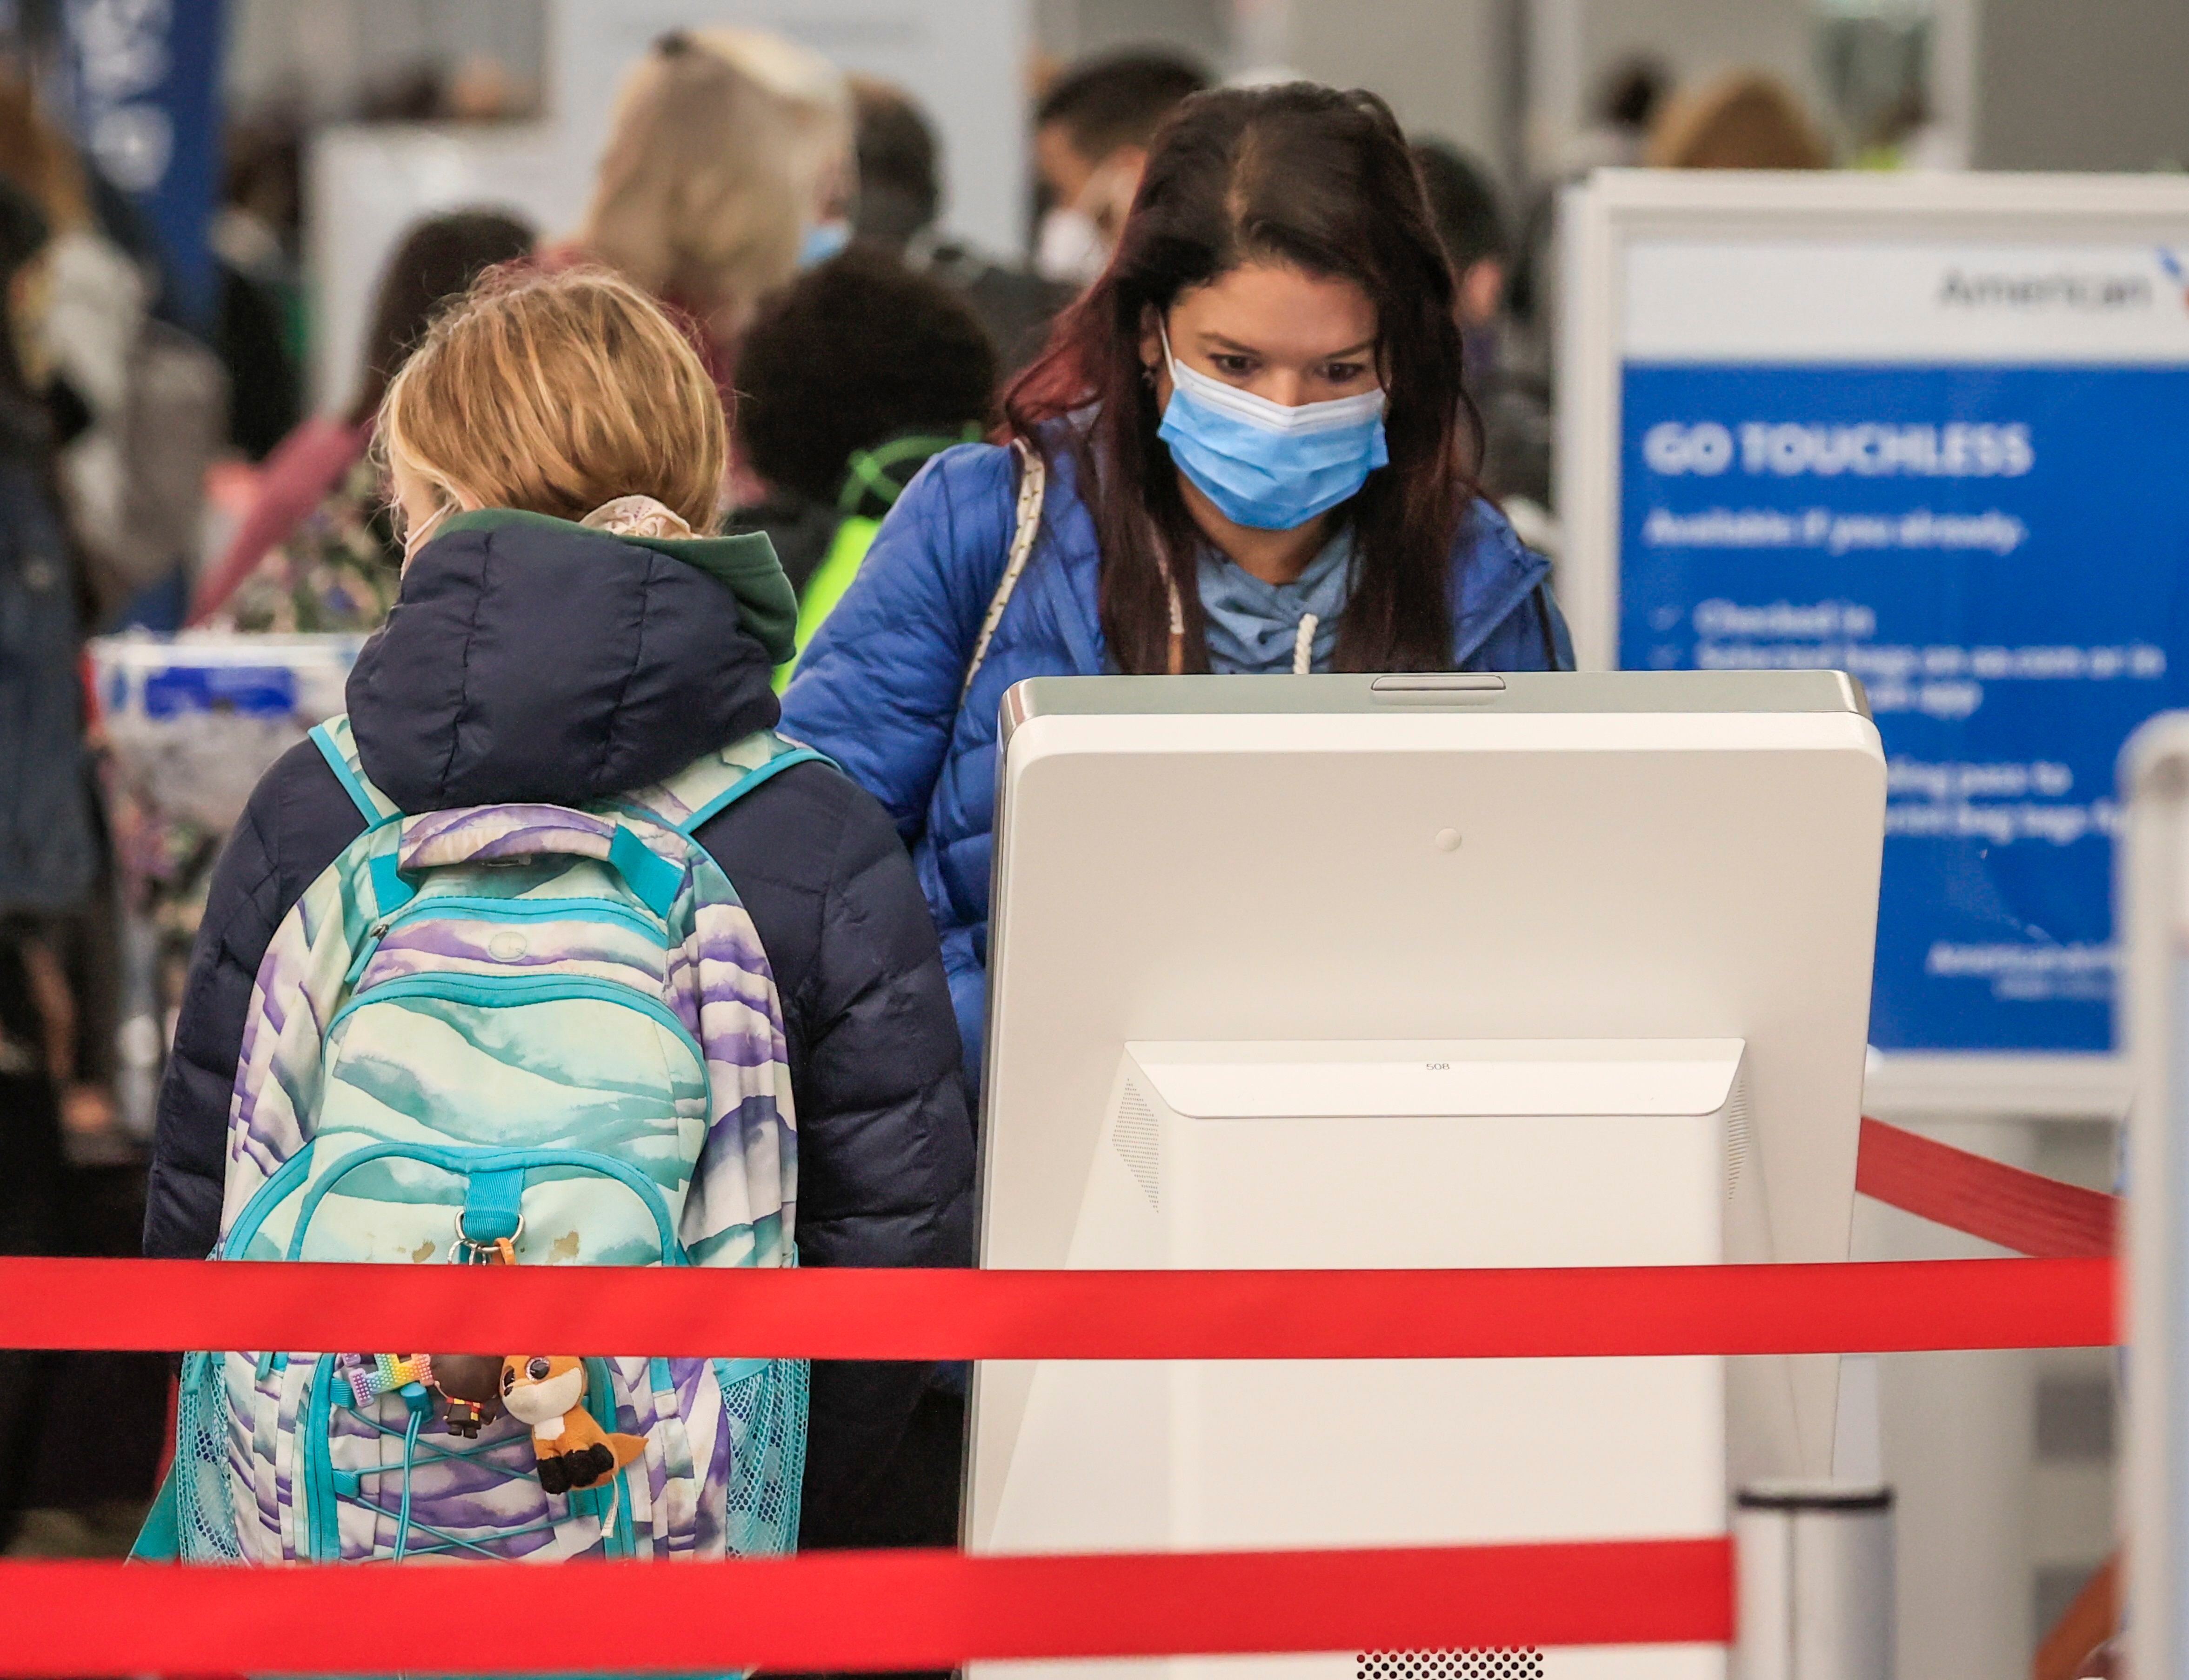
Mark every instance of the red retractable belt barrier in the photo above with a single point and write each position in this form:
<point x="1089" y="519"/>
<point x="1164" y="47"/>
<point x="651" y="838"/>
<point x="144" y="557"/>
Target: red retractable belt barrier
<point x="2064" y="1300"/>
<point x="1580" y="1312"/>
<point x="937" y="1611"/>
<point x="1973" y="1193"/>
<point x="903" y="1609"/>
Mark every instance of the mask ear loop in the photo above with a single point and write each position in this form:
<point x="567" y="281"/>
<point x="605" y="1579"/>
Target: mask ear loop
<point x="415" y="541"/>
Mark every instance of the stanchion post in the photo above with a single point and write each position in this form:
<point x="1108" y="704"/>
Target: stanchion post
<point x="1815" y="1562"/>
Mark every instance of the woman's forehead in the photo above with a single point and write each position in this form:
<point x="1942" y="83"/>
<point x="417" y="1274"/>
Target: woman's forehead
<point x="1278" y="311"/>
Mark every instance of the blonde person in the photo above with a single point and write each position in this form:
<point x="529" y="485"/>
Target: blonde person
<point x="729" y="163"/>
<point x="566" y="631"/>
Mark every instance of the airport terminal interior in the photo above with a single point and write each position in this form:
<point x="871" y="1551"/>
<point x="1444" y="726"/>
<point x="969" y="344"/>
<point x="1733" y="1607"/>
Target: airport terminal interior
<point x="1523" y="663"/>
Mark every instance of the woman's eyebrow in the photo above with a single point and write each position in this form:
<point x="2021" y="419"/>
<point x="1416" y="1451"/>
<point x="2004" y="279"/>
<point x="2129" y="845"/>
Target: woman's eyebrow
<point x="1216" y="340"/>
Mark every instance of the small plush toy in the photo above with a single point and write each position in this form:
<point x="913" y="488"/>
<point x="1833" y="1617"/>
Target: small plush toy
<point x="547" y="1391"/>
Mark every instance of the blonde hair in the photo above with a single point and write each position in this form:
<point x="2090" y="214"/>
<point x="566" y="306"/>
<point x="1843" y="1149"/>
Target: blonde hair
<point x="558" y="394"/>
<point x="725" y="142"/>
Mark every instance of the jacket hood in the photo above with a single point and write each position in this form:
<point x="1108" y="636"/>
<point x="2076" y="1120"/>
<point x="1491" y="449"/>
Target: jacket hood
<point x="532" y="661"/>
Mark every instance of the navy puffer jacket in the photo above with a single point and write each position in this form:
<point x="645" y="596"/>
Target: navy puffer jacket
<point x="534" y="660"/>
<point x="878" y="691"/>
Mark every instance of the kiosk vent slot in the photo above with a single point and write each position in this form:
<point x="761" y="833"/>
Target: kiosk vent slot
<point x="1737" y="1141"/>
<point x="1134" y="1136"/>
<point x="1505" y="1663"/>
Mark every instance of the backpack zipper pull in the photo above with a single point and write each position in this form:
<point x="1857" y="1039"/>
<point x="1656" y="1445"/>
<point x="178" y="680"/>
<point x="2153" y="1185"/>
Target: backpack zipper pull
<point x="370" y="944"/>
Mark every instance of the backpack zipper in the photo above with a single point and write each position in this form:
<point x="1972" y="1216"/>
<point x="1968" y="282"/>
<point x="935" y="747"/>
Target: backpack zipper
<point x="481" y="989"/>
<point x="461" y="1160"/>
<point x="479" y="908"/>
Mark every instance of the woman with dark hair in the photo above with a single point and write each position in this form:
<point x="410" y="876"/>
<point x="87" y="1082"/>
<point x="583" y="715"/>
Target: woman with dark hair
<point x="315" y="552"/>
<point x="1256" y="453"/>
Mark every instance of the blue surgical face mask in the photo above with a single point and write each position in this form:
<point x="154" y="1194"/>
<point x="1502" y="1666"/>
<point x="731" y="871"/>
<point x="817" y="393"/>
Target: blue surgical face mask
<point x="1264" y="465"/>
<point x="823" y="240"/>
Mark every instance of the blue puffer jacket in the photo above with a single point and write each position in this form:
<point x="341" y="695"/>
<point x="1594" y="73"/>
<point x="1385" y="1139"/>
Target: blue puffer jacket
<point x="878" y="689"/>
<point x="532" y="659"/>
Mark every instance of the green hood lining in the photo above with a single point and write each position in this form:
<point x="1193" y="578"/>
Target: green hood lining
<point x="767" y="606"/>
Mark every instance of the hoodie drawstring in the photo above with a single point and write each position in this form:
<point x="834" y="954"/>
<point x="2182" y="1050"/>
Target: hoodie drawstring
<point x="1177" y="619"/>
<point x="1303" y="645"/>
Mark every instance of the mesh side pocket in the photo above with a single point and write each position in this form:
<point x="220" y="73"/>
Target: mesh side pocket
<point x="204" y="1513"/>
<point x="766" y="1410"/>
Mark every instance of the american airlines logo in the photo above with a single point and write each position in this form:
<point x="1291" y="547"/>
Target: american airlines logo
<point x="2063" y="290"/>
<point x="2172" y="264"/>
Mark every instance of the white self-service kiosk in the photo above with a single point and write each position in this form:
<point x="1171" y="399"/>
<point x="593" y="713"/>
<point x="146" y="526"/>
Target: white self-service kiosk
<point x="1443" y="970"/>
<point x="2153" y="916"/>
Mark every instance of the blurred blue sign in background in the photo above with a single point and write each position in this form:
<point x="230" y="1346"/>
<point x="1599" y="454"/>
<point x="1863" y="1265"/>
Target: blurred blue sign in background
<point x="140" y="81"/>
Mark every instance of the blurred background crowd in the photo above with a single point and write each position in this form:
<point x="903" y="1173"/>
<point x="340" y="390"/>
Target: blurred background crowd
<point x="223" y="225"/>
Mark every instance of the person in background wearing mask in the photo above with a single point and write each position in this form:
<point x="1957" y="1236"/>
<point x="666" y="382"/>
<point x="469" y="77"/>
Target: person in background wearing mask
<point x="1092" y="130"/>
<point x="1253" y="430"/>
<point x="728" y="167"/>
<point x="852" y="378"/>
<point x="899" y="197"/>
<point x="1513" y="399"/>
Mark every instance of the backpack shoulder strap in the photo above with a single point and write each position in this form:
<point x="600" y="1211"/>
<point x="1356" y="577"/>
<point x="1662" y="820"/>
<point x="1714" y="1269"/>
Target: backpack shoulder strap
<point x="339" y="748"/>
<point x="1033" y="480"/>
<point x="703" y="790"/>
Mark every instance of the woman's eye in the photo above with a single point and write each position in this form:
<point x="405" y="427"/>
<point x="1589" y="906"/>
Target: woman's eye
<point x="1344" y="373"/>
<point x="1237" y="367"/>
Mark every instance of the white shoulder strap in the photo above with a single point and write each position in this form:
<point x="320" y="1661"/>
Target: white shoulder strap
<point x="1034" y="477"/>
<point x="706" y="787"/>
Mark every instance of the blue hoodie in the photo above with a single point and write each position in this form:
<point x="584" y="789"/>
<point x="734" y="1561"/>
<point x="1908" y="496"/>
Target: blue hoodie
<point x="878" y="690"/>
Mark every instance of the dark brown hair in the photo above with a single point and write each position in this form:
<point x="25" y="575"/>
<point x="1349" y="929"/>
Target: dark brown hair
<point x="1322" y="180"/>
<point x="1118" y="99"/>
<point x="437" y="261"/>
<point x="854" y="353"/>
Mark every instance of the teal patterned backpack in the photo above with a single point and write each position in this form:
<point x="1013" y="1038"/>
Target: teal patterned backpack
<point x="516" y="1033"/>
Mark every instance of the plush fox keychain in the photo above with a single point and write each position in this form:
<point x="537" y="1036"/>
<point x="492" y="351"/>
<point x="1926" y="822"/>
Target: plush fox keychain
<point x="547" y="1391"/>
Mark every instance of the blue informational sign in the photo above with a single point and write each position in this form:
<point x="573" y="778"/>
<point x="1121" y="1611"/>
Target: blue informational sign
<point x="253" y="691"/>
<point x="2001" y="554"/>
<point x="141" y="81"/>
